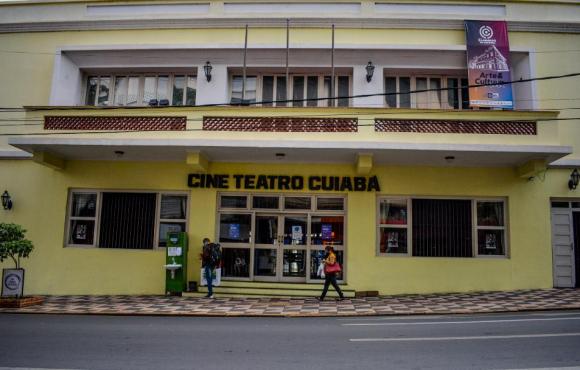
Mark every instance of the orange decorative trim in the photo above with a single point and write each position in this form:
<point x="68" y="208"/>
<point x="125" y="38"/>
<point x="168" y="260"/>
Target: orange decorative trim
<point x="457" y="127"/>
<point x="124" y="123"/>
<point x="280" y="124"/>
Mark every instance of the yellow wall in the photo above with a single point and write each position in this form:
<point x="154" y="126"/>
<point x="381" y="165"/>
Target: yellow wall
<point x="40" y="194"/>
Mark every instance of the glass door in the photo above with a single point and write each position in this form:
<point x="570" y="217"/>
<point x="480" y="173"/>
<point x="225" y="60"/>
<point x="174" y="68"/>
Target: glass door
<point x="266" y="247"/>
<point x="294" y="243"/>
<point x="280" y="247"/>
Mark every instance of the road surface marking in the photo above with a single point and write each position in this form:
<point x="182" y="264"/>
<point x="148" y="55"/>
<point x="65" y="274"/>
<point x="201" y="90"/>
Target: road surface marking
<point x="457" y="322"/>
<point x="464" y="338"/>
<point x="455" y="316"/>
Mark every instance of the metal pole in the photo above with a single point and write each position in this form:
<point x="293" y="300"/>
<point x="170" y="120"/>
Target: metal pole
<point x="331" y="102"/>
<point x="244" y="68"/>
<point x="287" y="58"/>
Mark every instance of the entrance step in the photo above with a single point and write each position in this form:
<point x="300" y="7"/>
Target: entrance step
<point x="259" y="289"/>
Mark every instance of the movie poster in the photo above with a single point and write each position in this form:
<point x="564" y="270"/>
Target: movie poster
<point x="488" y="63"/>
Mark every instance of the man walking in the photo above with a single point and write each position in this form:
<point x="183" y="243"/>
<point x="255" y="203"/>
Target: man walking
<point x="208" y="265"/>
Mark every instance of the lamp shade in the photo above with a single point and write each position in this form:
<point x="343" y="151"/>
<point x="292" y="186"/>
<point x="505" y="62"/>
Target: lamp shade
<point x="370" y="71"/>
<point x="574" y="179"/>
<point x="6" y="200"/>
<point x="207" y="70"/>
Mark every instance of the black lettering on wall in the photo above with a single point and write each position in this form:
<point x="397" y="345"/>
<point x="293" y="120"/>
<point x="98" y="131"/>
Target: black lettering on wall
<point x="223" y="181"/>
<point x="210" y="181"/>
<point x="249" y="181"/>
<point x="297" y="182"/>
<point x="345" y="184"/>
<point x="193" y="180"/>
<point x="238" y="181"/>
<point x="360" y="183"/>
<point x="283" y="182"/>
<point x="314" y="183"/>
<point x="262" y="182"/>
<point x="373" y="184"/>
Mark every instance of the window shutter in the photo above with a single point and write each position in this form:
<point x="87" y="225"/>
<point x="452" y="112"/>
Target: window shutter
<point x="127" y="220"/>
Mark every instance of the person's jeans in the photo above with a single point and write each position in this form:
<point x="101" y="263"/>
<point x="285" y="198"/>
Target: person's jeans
<point x="331" y="279"/>
<point x="207" y="271"/>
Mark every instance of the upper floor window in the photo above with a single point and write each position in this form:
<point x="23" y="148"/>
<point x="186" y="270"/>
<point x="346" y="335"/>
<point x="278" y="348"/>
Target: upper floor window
<point x="432" y="92"/>
<point x="303" y="90"/>
<point x="140" y="90"/>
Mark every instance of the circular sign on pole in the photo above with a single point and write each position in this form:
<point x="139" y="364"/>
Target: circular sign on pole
<point x="12" y="282"/>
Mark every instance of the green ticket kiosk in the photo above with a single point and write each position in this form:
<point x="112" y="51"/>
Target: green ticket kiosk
<point x="176" y="262"/>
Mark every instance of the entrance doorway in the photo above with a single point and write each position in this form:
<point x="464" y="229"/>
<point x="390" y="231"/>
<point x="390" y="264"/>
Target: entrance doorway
<point x="566" y="243"/>
<point x="280" y="248"/>
<point x="279" y="238"/>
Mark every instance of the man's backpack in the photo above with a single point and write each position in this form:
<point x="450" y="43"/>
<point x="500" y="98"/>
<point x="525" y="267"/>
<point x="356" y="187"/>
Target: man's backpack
<point x="215" y="254"/>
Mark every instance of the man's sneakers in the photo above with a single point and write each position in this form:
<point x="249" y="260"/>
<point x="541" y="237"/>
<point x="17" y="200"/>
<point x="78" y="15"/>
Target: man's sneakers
<point x="209" y="296"/>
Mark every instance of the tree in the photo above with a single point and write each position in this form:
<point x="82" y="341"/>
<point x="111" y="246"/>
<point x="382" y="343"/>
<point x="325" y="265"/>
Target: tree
<point x="13" y="244"/>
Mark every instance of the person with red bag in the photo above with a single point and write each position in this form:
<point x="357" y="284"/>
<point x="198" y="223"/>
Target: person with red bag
<point x="331" y="270"/>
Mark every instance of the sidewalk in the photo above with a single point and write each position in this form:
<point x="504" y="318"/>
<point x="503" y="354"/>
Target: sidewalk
<point x="460" y="303"/>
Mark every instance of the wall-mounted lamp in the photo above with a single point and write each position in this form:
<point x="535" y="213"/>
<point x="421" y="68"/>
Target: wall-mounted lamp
<point x="370" y="70"/>
<point x="207" y="70"/>
<point x="572" y="184"/>
<point x="6" y="200"/>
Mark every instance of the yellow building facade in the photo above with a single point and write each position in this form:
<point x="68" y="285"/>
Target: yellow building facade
<point x="112" y="133"/>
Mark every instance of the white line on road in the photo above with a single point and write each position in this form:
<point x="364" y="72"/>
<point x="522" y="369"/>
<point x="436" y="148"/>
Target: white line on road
<point x="548" y="368"/>
<point x="463" y="316"/>
<point x="455" y="316"/>
<point x="456" y="322"/>
<point x="30" y="368"/>
<point x="464" y="338"/>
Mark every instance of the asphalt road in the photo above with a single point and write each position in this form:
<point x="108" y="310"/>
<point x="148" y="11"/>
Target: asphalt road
<point x="502" y="341"/>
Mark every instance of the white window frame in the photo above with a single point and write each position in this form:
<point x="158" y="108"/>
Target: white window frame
<point x="459" y="92"/>
<point x="97" y="218"/>
<point x="503" y="228"/>
<point x="474" y="225"/>
<point x="430" y="104"/>
<point x="71" y="218"/>
<point x="169" y="220"/>
<point x="141" y="87"/>
<point x="290" y="90"/>
<point x="245" y="87"/>
<point x="413" y="87"/>
<point x="406" y="226"/>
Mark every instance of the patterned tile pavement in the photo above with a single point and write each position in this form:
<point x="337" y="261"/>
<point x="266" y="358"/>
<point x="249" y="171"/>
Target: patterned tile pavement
<point x="460" y="303"/>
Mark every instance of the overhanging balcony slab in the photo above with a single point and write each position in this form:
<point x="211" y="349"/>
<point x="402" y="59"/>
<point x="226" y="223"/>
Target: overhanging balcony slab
<point x="296" y="151"/>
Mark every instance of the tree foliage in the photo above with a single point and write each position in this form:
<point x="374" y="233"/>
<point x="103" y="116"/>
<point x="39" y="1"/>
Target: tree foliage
<point x="13" y="244"/>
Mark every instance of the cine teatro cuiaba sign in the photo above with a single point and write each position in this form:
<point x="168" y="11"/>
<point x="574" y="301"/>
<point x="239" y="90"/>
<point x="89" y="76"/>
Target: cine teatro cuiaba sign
<point x="283" y="182"/>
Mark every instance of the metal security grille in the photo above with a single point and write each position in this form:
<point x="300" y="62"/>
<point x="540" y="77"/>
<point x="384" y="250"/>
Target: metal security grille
<point x="442" y="228"/>
<point x="457" y="127"/>
<point x="127" y="220"/>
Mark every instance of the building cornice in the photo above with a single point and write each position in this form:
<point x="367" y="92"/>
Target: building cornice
<point x="45" y="2"/>
<point x="380" y="23"/>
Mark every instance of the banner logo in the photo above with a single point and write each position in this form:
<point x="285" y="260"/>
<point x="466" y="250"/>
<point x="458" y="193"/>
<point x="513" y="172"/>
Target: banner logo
<point x="486" y="32"/>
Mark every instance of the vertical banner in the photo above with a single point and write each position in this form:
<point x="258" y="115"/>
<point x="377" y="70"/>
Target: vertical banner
<point x="488" y="63"/>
